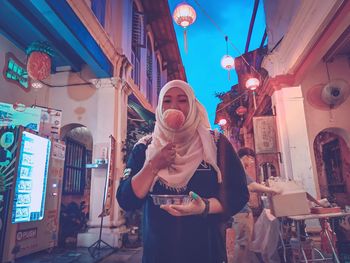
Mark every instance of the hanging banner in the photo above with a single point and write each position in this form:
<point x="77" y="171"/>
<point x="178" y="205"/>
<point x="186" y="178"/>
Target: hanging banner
<point x="19" y="114"/>
<point x="265" y="134"/>
<point x="110" y="177"/>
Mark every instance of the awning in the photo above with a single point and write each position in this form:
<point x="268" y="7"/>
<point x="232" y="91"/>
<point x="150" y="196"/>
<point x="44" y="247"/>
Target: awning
<point x="137" y="96"/>
<point x="141" y="111"/>
<point x="24" y="22"/>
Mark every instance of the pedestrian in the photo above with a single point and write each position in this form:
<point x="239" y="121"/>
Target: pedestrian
<point x="243" y="222"/>
<point x="183" y="156"/>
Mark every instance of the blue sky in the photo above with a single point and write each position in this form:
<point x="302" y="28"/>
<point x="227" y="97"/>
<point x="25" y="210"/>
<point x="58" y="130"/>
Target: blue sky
<point x="206" y="45"/>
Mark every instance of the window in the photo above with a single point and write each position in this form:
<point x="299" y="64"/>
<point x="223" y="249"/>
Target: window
<point x="137" y="41"/>
<point x="15" y="72"/>
<point x="149" y="70"/>
<point x="99" y="9"/>
<point x="74" y="168"/>
<point x="159" y="79"/>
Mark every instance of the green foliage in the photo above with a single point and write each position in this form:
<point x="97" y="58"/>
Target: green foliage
<point x="135" y="131"/>
<point x="220" y="95"/>
<point x="73" y="220"/>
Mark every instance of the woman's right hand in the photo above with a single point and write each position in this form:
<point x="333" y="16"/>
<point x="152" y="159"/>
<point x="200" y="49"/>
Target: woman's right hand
<point x="165" y="157"/>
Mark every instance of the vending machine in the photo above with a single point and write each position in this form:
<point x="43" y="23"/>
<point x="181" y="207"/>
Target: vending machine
<point x="31" y="217"/>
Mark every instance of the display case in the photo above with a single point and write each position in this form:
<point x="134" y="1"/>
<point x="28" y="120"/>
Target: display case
<point x="30" y="186"/>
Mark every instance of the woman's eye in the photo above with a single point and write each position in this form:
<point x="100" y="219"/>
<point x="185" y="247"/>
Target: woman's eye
<point x="166" y="101"/>
<point x="182" y="101"/>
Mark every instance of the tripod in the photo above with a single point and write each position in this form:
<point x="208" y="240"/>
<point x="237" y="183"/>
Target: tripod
<point x="100" y="244"/>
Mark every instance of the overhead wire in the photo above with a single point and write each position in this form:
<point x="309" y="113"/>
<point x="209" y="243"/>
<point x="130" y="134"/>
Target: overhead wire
<point x="225" y="35"/>
<point x="232" y="101"/>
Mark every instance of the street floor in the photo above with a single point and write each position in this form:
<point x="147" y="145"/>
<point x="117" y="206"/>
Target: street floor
<point x="82" y="255"/>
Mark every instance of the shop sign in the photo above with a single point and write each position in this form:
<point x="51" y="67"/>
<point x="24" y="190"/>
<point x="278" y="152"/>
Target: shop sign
<point x="265" y="134"/>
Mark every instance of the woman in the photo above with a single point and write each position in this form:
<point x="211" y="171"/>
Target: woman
<point x="191" y="160"/>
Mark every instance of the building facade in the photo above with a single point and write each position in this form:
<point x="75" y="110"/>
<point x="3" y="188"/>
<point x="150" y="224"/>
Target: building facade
<point x="108" y="57"/>
<point x="304" y="89"/>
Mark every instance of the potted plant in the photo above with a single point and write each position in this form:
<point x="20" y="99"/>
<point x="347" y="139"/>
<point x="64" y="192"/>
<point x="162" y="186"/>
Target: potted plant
<point x="73" y="220"/>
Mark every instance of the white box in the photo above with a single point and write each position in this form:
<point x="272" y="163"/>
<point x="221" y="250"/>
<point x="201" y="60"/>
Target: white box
<point x="291" y="202"/>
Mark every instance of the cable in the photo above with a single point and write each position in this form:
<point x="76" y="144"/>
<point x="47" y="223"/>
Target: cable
<point x="233" y="100"/>
<point x="67" y="85"/>
<point x="222" y="32"/>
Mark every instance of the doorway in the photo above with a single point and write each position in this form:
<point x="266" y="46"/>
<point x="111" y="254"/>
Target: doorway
<point x="332" y="158"/>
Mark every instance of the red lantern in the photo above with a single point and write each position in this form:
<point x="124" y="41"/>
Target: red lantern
<point x="241" y="110"/>
<point x="39" y="60"/>
<point x="39" y="65"/>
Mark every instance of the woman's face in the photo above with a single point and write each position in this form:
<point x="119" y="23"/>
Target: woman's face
<point x="176" y="98"/>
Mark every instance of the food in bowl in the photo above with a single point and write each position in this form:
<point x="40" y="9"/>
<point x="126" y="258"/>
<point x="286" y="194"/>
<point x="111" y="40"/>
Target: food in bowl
<point x="171" y="199"/>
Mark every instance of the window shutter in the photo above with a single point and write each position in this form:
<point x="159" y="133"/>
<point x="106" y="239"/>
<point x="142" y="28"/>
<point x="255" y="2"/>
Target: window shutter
<point x="138" y="29"/>
<point x="159" y="82"/>
<point x="149" y="68"/>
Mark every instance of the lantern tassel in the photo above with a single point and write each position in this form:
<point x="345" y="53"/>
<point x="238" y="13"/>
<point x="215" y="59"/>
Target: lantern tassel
<point x="254" y="100"/>
<point x="228" y="72"/>
<point x="185" y="39"/>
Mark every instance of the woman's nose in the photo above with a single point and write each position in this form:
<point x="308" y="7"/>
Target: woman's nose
<point x="175" y="106"/>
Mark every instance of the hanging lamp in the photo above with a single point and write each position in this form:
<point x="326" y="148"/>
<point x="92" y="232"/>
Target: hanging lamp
<point x="222" y="122"/>
<point x="184" y="15"/>
<point x="252" y="84"/>
<point x="39" y="55"/>
<point x="227" y="62"/>
<point x="241" y="110"/>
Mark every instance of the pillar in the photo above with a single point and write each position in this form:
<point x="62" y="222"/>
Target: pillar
<point x="293" y="137"/>
<point x="111" y="112"/>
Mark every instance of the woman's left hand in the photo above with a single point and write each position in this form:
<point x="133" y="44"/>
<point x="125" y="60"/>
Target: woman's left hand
<point x="195" y="207"/>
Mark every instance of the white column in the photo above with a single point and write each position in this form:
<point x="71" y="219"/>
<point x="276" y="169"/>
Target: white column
<point x="123" y="91"/>
<point x="107" y="123"/>
<point x="293" y="137"/>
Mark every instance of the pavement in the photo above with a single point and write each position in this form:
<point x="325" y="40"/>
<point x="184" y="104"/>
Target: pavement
<point x="82" y="255"/>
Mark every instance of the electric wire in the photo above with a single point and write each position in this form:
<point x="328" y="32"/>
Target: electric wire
<point x="232" y="101"/>
<point x="223" y="33"/>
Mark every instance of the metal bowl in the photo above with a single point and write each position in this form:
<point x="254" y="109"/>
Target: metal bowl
<point x="171" y="199"/>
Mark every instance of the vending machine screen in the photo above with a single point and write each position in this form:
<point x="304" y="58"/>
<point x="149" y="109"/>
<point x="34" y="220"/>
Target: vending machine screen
<point x="30" y="190"/>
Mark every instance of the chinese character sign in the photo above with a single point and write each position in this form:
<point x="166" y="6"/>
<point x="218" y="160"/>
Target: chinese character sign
<point x="265" y="134"/>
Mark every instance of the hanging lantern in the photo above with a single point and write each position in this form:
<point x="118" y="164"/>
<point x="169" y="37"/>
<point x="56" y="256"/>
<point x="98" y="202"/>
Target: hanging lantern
<point x="252" y="84"/>
<point x="227" y="62"/>
<point x="184" y="15"/>
<point x="39" y="60"/>
<point x="241" y="110"/>
<point x="222" y="122"/>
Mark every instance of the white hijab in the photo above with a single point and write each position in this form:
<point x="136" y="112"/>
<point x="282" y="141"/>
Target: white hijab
<point x="194" y="142"/>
